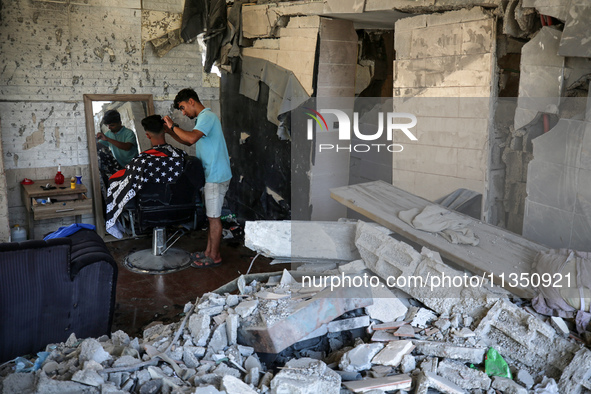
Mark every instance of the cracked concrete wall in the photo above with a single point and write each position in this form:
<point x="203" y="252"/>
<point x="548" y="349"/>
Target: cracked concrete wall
<point x="53" y="53"/>
<point x="447" y="61"/>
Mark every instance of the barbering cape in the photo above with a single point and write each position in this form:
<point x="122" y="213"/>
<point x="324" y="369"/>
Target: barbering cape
<point x="161" y="164"/>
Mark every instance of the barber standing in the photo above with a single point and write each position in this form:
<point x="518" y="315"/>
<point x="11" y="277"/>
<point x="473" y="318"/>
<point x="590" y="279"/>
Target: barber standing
<point x="210" y="148"/>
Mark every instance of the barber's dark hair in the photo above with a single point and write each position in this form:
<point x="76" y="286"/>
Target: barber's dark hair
<point x="185" y="95"/>
<point x="153" y="124"/>
<point x="111" y="116"/>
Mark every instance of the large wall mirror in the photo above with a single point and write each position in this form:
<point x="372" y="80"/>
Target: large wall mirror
<point x="132" y="108"/>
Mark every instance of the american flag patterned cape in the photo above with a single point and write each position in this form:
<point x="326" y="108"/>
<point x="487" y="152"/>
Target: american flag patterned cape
<point x="161" y="164"/>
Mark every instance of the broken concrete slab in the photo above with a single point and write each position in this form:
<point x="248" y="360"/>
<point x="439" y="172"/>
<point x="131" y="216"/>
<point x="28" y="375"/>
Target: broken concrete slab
<point x="442" y="349"/>
<point x="360" y="357"/>
<point x="524" y="378"/>
<point x="275" y="333"/>
<point x="234" y="385"/>
<point x="348" y="324"/>
<point x="199" y="328"/>
<point x="576" y="38"/>
<point x="300" y="240"/>
<point x="383" y="336"/>
<point x="390" y="258"/>
<point x="516" y="334"/>
<point x="392" y="354"/>
<point x="306" y="376"/>
<point x="91" y="349"/>
<point x="465" y="377"/>
<point x="575" y="377"/>
<point x="541" y="78"/>
<point x="508" y="386"/>
<point x="388" y="383"/>
<point x="386" y="306"/>
<point x="426" y="380"/>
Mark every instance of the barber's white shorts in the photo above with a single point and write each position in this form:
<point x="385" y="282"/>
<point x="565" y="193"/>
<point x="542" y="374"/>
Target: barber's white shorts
<point x="214" y="198"/>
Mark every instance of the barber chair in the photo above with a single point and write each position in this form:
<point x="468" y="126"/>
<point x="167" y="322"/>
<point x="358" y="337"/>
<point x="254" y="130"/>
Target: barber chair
<point x="159" y="206"/>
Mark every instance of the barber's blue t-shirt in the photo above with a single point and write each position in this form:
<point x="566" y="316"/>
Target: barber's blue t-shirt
<point x="211" y="148"/>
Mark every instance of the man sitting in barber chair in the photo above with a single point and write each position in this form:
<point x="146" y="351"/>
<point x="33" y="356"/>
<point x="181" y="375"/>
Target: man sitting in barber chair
<point x="162" y="163"/>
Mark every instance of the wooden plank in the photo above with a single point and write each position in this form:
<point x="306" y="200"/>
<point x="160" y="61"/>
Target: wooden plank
<point x="499" y="252"/>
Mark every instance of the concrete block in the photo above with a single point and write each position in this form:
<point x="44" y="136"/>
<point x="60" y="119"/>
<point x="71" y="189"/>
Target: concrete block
<point x="430" y="364"/>
<point x="380" y="385"/>
<point x="360" y="357"/>
<point x="392" y="354"/>
<point x="478" y="36"/>
<point x="411" y="23"/>
<point x="575" y="377"/>
<point x="246" y="308"/>
<point x="524" y="378"/>
<point x="508" y="386"/>
<point x="348" y="324"/>
<point x="91" y="349"/>
<point x="408" y="364"/>
<point x="299" y="239"/>
<point x="306" y="376"/>
<point x="258" y="21"/>
<point x="299" y="22"/>
<point x="465" y="377"/>
<point x="516" y="334"/>
<point x="234" y="385"/>
<point x="19" y="383"/>
<point x="266" y="54"/>
<point x="457" y="17"/>
<point x="426" y="380"/>
<point x="266" y="43"/>
<point x="232" y="324"/>
<point x="386" y="307"/>
<point x="443" y="349"/>
<point x="199" y="328"/>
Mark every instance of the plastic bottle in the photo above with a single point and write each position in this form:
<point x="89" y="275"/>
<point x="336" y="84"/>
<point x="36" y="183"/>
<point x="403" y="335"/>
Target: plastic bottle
<point x="59" y="178"/>
<point x="73" y="183"/>
<point x="18" y="234"/>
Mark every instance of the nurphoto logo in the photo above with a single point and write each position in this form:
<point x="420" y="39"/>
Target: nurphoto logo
<point x="395" y="122"/>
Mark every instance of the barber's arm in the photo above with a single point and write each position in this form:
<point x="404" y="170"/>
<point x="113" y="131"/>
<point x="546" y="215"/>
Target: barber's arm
<point x="180" y="135"/>
<point x="121" y="145"/>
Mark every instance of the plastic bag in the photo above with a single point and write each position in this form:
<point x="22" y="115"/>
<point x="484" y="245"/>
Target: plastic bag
<point x="495" y="365"/>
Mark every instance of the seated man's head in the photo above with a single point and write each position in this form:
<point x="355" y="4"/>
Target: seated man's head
<point x="112" y="119"/>
<point x="154" y="127"/>
<point x="187" y="101"/>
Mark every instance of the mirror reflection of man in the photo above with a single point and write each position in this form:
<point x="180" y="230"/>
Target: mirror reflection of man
<point x="118" y="138"/>
<point x="211" y="149"/>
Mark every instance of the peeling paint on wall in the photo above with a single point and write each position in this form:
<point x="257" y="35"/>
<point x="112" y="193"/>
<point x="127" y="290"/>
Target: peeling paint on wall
<point x="37" y="138"/>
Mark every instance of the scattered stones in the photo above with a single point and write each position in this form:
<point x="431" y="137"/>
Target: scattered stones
<point x="507" y="386"/>
<point x="306" y="375"/>
<point x="393" y="352"/>
<point x="359" y="358"/>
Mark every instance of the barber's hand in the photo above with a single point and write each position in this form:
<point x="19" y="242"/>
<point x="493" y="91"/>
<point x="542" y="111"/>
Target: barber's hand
<point x="101" y="136"/>
<point x="168" y="121"/>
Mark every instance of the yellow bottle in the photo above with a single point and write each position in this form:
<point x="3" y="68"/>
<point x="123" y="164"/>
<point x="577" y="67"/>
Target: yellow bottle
<point x="73" y="183"/>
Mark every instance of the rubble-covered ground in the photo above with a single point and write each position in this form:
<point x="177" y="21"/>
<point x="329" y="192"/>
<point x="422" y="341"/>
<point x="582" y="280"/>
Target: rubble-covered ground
<point x="395" y="343"/>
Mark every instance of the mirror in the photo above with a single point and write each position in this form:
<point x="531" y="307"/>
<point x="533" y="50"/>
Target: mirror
<point x="132" y="108"/>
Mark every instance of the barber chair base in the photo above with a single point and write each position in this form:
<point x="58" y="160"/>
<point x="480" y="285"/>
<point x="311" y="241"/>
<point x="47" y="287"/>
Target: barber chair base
<point x="145" y="262"/>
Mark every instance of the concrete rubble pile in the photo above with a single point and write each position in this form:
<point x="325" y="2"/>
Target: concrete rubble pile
<point x="280" y="336"/>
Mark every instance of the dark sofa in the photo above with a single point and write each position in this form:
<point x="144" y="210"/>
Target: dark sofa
<point x="51" y="289"/>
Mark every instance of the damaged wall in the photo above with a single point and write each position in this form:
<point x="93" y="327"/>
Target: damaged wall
<point x="260" y="161"/>
<point x="450" y="59"/>
<point x="52" y="54"/>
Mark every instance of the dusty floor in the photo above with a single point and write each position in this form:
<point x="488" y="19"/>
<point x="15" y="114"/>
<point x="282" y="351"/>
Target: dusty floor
<point x="143" y="298"/>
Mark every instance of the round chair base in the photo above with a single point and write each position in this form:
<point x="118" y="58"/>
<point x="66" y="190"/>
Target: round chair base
<point x="144" y="262"/>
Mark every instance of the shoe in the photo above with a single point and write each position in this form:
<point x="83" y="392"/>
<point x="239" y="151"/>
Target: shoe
<point x="205" y="263"/>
